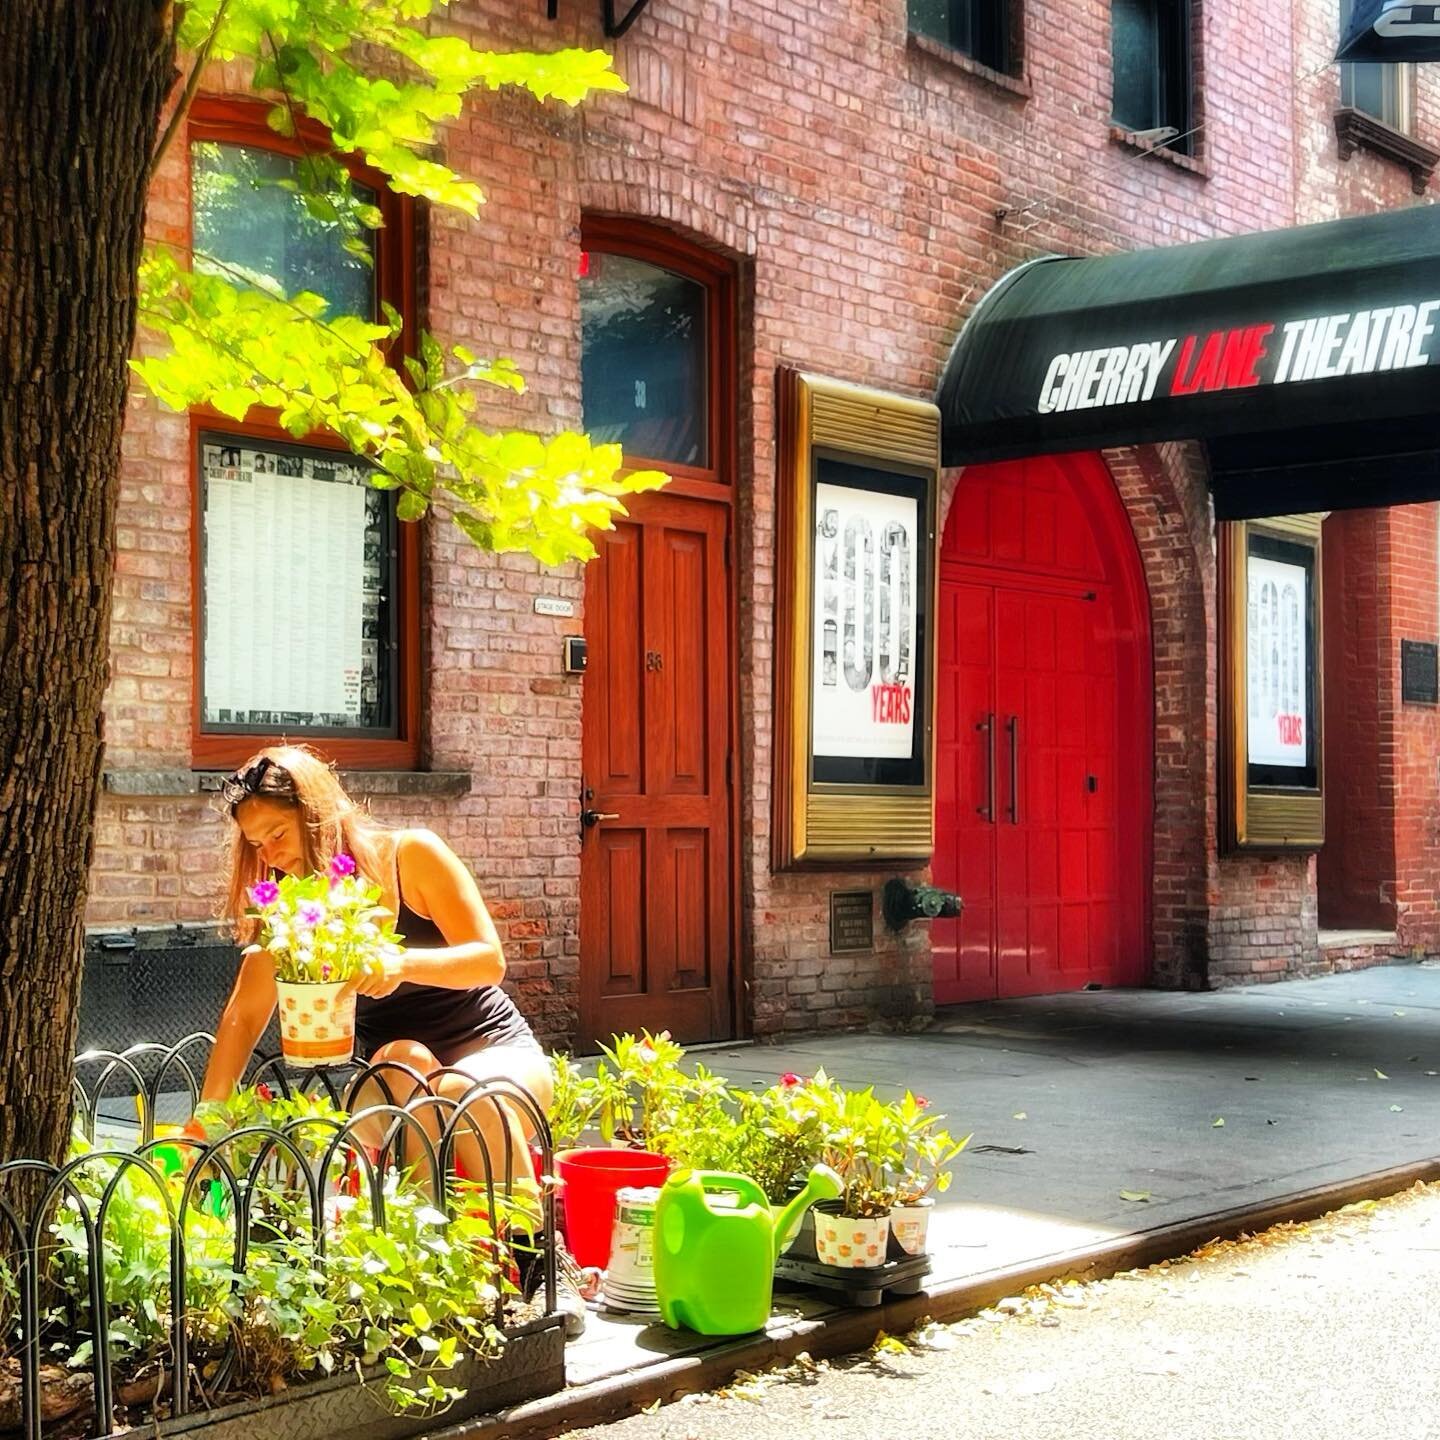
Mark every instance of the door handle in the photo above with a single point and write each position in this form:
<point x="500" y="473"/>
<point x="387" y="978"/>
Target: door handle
<point x="987" y="810"/>
<point x="594" y="817"/>
<point x="1013" y="726"/>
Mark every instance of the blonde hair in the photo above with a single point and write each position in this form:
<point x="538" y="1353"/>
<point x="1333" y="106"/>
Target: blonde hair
<point x="333" y="824"/>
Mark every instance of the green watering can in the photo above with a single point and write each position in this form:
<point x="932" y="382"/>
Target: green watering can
<point x="716" y="1243"/>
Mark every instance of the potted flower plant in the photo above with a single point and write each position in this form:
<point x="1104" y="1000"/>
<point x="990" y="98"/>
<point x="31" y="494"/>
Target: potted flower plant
<point x="863" y="1143"/>
<point x="322" y="931"/>
<point x="926" y="1152"/>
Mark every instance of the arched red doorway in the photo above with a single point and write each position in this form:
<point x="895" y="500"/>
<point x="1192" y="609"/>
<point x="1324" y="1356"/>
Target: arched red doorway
<point x="1045" y="746"/>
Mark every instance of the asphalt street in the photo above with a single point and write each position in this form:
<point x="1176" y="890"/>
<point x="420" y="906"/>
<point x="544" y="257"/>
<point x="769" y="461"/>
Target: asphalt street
<point x="1323" y="1331"/>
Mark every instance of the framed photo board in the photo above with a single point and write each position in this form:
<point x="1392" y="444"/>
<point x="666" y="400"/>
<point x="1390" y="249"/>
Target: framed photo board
<point x="1272" y="753"/>
<point x="855" y="639"/>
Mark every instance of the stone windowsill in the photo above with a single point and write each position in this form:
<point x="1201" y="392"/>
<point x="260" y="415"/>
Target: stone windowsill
<point x="446" y="784"/>
<point x="1357" y="130"/>
<point x="937" y="50"/>
<point x="1119" y="135"/>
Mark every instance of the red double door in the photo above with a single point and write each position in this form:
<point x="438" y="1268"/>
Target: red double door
<point x="1042" y="758"/>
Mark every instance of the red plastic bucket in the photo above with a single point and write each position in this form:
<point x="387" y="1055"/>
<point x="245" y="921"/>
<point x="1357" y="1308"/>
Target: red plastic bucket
<point x="591" y="1179"/>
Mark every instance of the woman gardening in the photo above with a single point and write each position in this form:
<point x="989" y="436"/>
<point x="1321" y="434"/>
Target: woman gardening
<point x="434" y="1004"/>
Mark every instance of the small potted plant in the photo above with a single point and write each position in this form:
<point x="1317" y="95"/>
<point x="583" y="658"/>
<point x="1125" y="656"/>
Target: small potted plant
<point x="863" y="1143"/>
<point x="926" y="1154"/>
<point x="322" y="932"/>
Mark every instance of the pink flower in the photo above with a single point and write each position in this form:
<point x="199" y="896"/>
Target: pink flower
<point x="922" y="1102"/>
<point x="264" y="892"/>
<point x="310" y="912"/>
<point x="341" y="866"/>
<point x="790" y="1078"/>
<point x="324" y="972"/>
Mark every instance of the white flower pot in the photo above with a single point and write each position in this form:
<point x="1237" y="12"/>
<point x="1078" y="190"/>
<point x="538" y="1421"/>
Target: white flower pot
<point x="910" y="1225"/>
<point x="850" y="1244"/>
<point x="317" y="1026"/>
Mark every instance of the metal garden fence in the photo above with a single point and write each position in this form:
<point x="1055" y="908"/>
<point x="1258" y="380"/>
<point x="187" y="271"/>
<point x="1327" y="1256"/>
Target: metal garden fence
<point x="320" y="1157"/>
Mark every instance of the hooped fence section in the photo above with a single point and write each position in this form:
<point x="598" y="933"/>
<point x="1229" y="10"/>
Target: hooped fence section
<point x="323" y="1159"/>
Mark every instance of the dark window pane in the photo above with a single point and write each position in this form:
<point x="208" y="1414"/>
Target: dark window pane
<point x="243" y="217"/>
<point x="1135" y="48"/>
<point x="644" y="359"/>
<point x="981" y="28"/>
<point x="932" y="18"/>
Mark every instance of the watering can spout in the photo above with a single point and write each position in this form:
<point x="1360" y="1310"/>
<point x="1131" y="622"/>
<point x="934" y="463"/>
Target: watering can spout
<point x="821" y="1184"/>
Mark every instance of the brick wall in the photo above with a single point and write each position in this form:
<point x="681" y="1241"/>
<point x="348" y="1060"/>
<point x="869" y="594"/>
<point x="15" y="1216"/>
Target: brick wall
<point x="869" y="190"/>
<point x="1356" y="871"/>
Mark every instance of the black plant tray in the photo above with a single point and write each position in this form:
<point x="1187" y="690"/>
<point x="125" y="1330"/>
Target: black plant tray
<point x="531" y="1365"/>
<point x="901" y="1274"/>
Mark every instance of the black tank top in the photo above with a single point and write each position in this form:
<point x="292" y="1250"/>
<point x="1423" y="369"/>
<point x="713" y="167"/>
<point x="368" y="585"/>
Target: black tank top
<point x="449" y="1023"/>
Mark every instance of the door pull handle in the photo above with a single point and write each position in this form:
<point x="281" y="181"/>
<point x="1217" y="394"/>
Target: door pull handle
<point x="987" y="810"/>
<point x="1013" y="726"/>
<point x="594" y="817"/>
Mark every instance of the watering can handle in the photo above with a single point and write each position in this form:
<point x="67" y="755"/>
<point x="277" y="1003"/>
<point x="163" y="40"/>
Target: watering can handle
<point x="742" y="1185"/>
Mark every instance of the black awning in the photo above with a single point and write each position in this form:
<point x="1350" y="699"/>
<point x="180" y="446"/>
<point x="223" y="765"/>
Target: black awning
<point x="1279" y="331"/>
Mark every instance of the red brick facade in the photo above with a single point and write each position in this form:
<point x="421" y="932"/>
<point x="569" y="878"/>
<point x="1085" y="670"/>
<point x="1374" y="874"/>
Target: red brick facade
<point x="869" y="189"/>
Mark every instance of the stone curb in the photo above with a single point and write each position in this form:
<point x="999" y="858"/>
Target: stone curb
<point x="847" y="1331"/>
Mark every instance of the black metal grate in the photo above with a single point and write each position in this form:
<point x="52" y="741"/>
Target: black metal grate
<point x="156" y="986"/>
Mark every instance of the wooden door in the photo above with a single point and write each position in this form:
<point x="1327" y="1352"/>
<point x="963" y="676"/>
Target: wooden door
<point x="655" y="868"/>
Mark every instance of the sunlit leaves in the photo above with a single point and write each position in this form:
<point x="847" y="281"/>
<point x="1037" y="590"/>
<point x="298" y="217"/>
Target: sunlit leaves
<point x="235" y="347"/>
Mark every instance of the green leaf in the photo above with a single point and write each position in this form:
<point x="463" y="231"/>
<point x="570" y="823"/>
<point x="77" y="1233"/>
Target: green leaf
<point x="411" y="506"/>
<point x="1135" y="1195"/>
<point x="421" y="1316"/>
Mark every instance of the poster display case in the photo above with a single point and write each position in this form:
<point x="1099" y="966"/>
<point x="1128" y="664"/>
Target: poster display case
<point x="855" y="638"/>
<point x="1272" y="736"/>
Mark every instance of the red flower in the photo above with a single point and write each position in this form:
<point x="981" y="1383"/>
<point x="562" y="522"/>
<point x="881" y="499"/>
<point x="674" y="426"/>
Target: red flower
<point x="790" y="1078"/>
<point x="264" y="1092"/>
<point x="922" y="1102"/>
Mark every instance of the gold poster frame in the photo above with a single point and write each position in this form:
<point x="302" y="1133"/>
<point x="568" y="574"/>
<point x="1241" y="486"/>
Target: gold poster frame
<point x="825" y="825"/>
<point x="1265" y="817"/>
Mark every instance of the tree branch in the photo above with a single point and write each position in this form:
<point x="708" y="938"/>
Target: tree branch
<point x="192" y="87"/>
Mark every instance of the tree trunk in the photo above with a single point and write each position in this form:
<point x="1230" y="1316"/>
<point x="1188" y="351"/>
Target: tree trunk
<point x="82" y="83"/>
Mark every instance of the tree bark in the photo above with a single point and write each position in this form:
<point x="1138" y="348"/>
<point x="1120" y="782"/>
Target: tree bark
<point x="82" y="83"/>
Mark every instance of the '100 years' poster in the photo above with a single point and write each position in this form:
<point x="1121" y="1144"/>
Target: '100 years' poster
<point x="1277" y="665"/>
<point x="865" y="652"/>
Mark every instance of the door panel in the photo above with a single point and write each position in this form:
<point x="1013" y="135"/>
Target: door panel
<point x="655" y="880"/>
<point x="964" y="948"/>
<point x="1040" y="880"/>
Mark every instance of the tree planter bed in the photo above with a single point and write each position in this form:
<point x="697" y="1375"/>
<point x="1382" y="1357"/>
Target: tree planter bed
<point x="531" y="1365"/>
<point x="901" y="1274"/>
<point x="225" y="1289"/>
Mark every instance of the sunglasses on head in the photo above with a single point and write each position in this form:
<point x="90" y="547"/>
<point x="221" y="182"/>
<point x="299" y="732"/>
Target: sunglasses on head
<point x="264" y="777"/>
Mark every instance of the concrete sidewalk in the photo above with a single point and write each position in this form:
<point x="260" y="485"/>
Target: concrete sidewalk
<point x="1318" y="1082"/>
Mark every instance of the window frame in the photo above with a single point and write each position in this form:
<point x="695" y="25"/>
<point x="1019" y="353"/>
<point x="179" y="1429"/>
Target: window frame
<point x="961" y="15"/>
<point x="1174" y="73"/>
<point x="613" y="235"/>
<point x="242" y="122"/>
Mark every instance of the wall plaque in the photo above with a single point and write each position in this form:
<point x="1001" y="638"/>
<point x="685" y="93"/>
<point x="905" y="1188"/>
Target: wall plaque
<point x="1419" y="672"/>
<point x="852" y="921"/>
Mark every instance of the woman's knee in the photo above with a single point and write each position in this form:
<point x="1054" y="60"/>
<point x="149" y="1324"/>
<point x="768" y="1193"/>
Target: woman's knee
<point x="409" y="1053"/>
